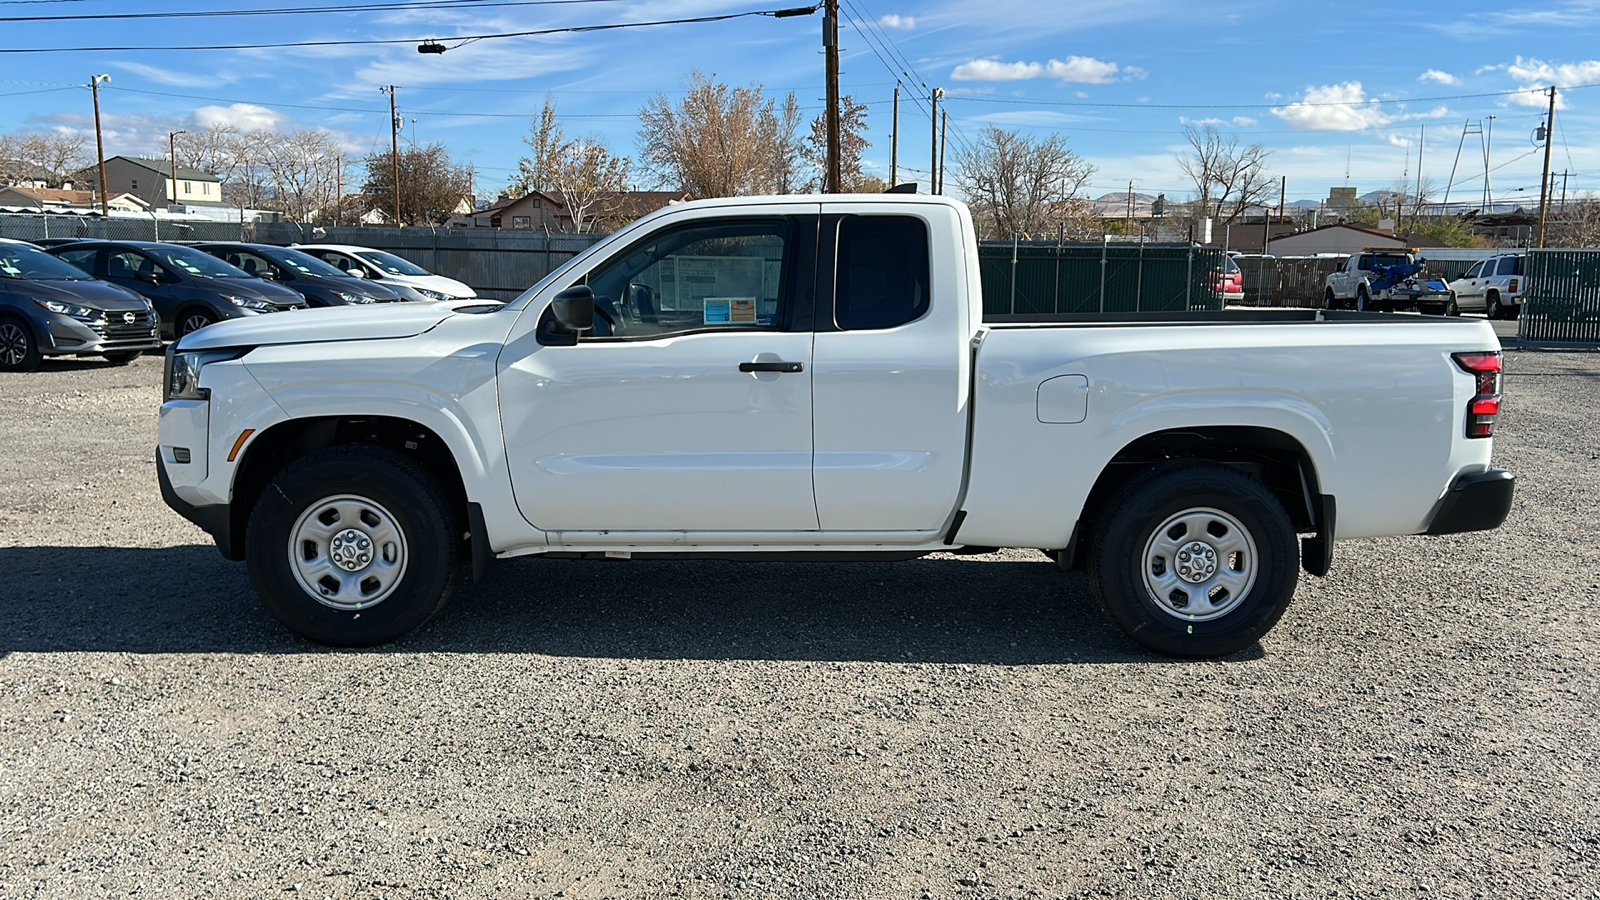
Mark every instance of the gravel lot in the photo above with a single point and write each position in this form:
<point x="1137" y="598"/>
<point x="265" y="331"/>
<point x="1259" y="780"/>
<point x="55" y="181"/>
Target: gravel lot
<point x="1422" y="722"/>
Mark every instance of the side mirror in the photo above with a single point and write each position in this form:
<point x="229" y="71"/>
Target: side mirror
<point x="356" y="273"/>
<point x="153" y="278"/>
<point x="573" y="308"/>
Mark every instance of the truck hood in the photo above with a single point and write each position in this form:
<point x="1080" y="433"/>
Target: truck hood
<point x="327" y="324"/>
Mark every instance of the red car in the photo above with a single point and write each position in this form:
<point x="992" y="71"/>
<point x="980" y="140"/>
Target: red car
<point x="1230" y="281"/>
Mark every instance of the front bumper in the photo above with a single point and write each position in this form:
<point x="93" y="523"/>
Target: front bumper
<point x="1478" y="502"/>
<point x="64" y="335"/>
<point x="215" y="520"/>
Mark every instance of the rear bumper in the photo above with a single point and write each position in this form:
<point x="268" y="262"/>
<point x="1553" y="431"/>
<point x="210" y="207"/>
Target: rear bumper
<point x="1477" y="502"/>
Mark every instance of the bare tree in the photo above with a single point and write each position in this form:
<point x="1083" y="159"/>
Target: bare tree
<point x="1576" y="224"/>
<point x="852" y="144"/>
<point x="1228" y="179"/>
<point x="431" y="185"/>
<point x="720" y="141"/>
<point x="546" y="141"/>
<point x="589" y="179"/>
<point x="1019" y="185"/>
<point x="47" y="156"/>
<point x="302" y="168"/>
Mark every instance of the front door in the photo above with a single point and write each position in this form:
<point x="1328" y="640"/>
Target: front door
<point x="143" y="275"/>
<point x="688" y="408"/>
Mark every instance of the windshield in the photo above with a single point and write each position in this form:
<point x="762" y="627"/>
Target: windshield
<point x="193" y="262"/>
<point x="22" y="261"/>
<point x="302" y="262"/>
<point x="390" y="263"/>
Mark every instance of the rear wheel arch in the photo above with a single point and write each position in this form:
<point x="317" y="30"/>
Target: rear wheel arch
<point x="1275" y="458"/>
<point x="269" y="452"/>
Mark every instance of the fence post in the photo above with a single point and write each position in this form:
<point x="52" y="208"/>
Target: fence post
<point x="1061" y="233"/>
<point x="1105" y="241"/>
<point x="1188" y="282"/>
<point x="1013" y="273"/>
<point x="1138" y="290"/>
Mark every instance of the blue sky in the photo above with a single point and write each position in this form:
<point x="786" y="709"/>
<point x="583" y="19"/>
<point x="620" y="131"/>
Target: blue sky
<point x="1327" y="88"/>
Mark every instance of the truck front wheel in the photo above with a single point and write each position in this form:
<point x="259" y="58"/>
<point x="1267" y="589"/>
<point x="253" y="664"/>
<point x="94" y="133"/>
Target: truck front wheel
<point x="1195" y="560"/>
<point x="352" y="546"/>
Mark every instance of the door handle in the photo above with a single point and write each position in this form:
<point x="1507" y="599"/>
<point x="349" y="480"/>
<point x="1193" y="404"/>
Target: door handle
<point x="771" y="367"/>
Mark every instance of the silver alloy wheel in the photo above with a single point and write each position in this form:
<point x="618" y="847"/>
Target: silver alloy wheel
<point x="13" y="344"/>
<point x="193" y="323"/>
<point x="348" y="552"/>
<point x="1200" y="564"/>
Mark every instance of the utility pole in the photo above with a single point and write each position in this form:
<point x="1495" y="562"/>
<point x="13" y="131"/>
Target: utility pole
<point x="99" y="142"/>
<point x="933" y="147"/>
<point x="338" y="189"/>
<point x="1544" y="182"/>
<point x="172" y="156"/>
<point x="1422" y="144"/>
<point x="830" y="46"/>
<point x="1488" y="146"/>
<point x="1127" y="219"/>
<point x="894" y="139"/>
<point x="944" y="132"/>
<point x="394" y="151"/>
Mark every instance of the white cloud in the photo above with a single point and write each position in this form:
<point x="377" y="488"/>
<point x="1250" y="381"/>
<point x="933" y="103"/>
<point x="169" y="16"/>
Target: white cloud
<point x="1236" y="120"/>
<point x="994" y="70"/>
<point x="1536" y="75"/>
<point x="175" y="78"/>
<point x="1334" y="107"/>
<point x="904" y="23"/>
<point x="1440" y="77"/>
<point x="243" y="116"/>
<point x="1072" y="70"/>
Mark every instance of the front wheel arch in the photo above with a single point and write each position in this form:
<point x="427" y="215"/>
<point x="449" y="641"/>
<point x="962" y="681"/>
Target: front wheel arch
<point x="268" y="453"/>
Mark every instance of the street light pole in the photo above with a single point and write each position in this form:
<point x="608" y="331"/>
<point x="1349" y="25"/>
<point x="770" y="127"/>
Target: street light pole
<point x="99" y="142"/>
<point x="172" y="157"/>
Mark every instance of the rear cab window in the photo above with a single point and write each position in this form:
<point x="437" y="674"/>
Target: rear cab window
<point x="882" y="272"/>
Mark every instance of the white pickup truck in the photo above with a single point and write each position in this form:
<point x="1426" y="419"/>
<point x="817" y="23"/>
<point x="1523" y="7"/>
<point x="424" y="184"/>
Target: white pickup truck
<point x="1384" y="280"/>
<point x="804" y="378"/>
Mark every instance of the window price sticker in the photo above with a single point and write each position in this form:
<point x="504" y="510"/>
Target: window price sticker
<point x="730" y="310"/>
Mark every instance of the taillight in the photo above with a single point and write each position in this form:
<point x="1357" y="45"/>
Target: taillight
<point x="1486" y="369"/>
<point x="1513" y="285"/>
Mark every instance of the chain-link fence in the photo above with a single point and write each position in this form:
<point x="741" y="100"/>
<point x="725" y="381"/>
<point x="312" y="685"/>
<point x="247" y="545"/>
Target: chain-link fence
<point x="1561" y="300"/>
<point x="497" y="264"/>
<point x="1035" y="278"/>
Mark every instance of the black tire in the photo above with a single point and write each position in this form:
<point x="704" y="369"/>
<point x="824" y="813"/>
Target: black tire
<point x="1233" y="511"/>
<point x="1329" y="301"/>
<point x="191" y="320"/>
<point x="1451" y="308"/>
<point x="1493" y="308"/>
<point x="1364" y="300"/>
<point x="19" y="351"/>
<point x="396" y="505"/>
<point x="122" y="357"/>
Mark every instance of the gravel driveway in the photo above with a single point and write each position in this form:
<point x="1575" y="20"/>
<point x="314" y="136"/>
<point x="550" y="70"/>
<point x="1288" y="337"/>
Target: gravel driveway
<point x="1422" y="722"/>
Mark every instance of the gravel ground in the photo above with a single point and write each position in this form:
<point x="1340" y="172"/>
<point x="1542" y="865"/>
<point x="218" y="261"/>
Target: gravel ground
<point x="1422" y="722"/>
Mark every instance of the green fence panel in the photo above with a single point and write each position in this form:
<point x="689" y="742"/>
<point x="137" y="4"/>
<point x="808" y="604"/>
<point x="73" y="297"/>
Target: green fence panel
<point x="1561" y="300"/>
<point x="1073" y="279"/>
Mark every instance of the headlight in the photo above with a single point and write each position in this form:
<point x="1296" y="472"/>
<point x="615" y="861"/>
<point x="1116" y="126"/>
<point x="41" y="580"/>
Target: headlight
<point x="353" y="298"/>
<point x="182" y="378"/>
<point x="247" y="302"/>
<point x="432" y="295"/>
<point x="69" y="309"/>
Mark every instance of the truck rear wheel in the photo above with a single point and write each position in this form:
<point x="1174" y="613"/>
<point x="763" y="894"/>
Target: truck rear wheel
<point x="352" y="546"/>
<point x="1494" y="309"/>
<point x="1329" y="301"/>
<point x="1195" y="560"/>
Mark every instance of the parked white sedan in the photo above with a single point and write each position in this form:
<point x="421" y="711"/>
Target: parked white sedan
<point x="389" y="270"/>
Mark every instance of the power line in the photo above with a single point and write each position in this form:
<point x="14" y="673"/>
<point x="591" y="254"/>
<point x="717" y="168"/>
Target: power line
<point x="304" y="10"/>
<point x="462" y="39"/>
<point x="970" y="98"/>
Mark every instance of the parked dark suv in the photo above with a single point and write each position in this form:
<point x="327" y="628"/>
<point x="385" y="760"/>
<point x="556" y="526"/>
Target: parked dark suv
<point x="189" y="288"/>
<point x="48" y="308"/>
<point x="320" y="283"/>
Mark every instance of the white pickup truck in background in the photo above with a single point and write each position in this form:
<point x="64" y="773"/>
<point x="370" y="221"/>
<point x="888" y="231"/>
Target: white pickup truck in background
<point x="1382" y="280"/>
<point x="811" y="378"/>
